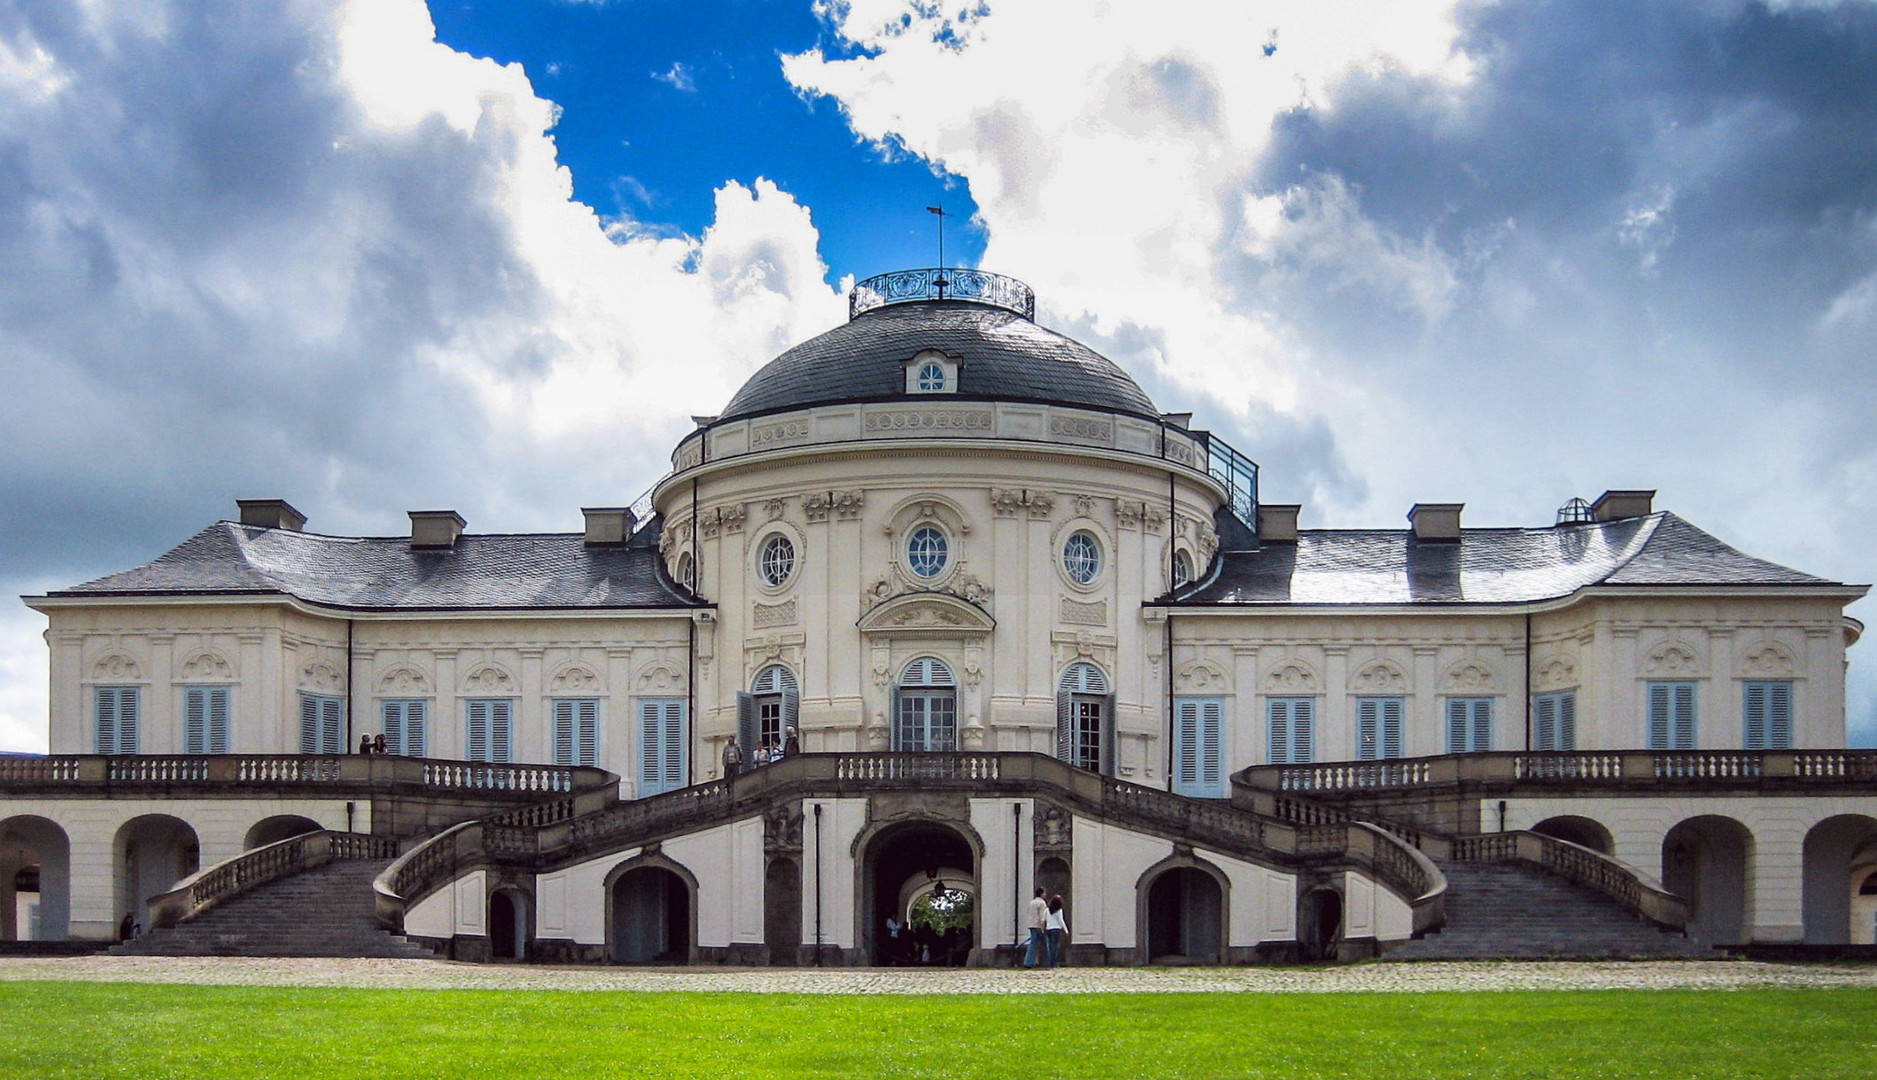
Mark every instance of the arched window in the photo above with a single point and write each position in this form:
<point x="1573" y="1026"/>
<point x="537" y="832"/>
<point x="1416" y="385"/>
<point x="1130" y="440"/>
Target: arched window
<point x="1081" y="557"/>
<point x="772" y="706"/>
<point x="926" y="551"/>
<point x="1182" y="568"/>
<point x="777" y="562"/>
<point x="687" y="571"/>
<point x="925" y="707"/>
<point x="1085" y="719"/>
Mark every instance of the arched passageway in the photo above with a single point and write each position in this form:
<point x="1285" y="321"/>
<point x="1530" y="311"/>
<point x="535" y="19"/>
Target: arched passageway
<point x="509" y="923"/>
<point x="1582" y="831"/>
<point x="652" y="917"/>
<point x="35" y="880"/>
<point x="920" y="896"/>
<point x="1706" y="861"/>
<point x="1185" y="917"/>
<point x="1840" y="857"/>
<point x="153" y="853"/>
<point x="1319" y="924"/>
<point x="275" y="829"/>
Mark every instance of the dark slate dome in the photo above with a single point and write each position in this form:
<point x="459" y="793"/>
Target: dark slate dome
<point x="1002" y="355"/>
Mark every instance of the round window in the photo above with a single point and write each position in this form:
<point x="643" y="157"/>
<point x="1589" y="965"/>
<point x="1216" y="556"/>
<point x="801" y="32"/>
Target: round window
<point x="926" y="551"/>
<point x="931" y="376"/>
<point x="1081" y="557"/>
<point x="1182" y="568"/>
<point x="777" y="561"/>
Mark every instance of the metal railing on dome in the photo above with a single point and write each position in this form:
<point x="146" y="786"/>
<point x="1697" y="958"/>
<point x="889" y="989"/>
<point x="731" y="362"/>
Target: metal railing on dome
<point x="941" y="283"/>
<point x="1238" y="473"/>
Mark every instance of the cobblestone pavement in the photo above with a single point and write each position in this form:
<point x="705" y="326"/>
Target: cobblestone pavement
<point x="1373" y="977"/>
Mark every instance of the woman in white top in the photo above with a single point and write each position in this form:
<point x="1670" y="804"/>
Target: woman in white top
<point x="1058" y="930"/>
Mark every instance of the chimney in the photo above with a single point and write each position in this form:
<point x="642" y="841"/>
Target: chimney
<point x="1436" y="521"/>
<point x="1181" y="420"/>
<point x="1277" y="522"/>
<point x="434" y="529"/>
<point x="270" y="514"/>
<point x="1613" y="505"/>
<point x="607" y="526"/>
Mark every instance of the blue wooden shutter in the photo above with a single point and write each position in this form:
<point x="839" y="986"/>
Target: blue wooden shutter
<point x="105" y="714"/>
<point x="218" y="720"/>
<point x="587" y="732"/>
<point x="1391" y="727"/>
<point x="309" y="724"/>
<point x="1303" y="730"/>
<point x="1779" y="716"/>
<point x="791" y="709"/>
<point x="476" y="725"/>
<point x="661" y="745"/>
<point x="331" y="724"/>
<point x="501" y="731"/>
<point x="1755" y="709"/>
<point x="391" y="718"/>
<point x="563" y="731"/>
<point x="195" y="720"/>
<point x="1212" y="748"/>
<point x="1567" y="721"/>
<point x="1065" y="726"/>
<point x="1545" y="722"/>
<point x="676" y="745"/>
<point x="1660" y="695"/>
<point x="1186" y="748"/>
<point x="1480" y="737"/>
<point x="1456" y="726"/>
<point x="116" y="719"/>
<point x="416" y="729"/>
<point x="1684" y="716"/>
<point x="1277" y="711"/>
<point x="1368" y="729"/>
<point x="746" y="735"/>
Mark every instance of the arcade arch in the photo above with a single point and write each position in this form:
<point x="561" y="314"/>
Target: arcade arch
<point x="1840" y="860"/>
<point x="1707" y="861"/>
<point x="152" y="853"/>
<point x="509" y="924"/>
<point x="277" y="828"/>
<point x="909" y="861"/>
<point x="1582" y="831"/>
<point x="35" y="880"/>
<point x="1182" y="913"/>
<point x="651" y="912"/>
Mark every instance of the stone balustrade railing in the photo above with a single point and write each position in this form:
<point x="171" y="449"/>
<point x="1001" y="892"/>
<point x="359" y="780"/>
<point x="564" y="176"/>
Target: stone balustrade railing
<point x="204" y="889"/>
<point x="1612" y="877"/>
<point x="349" y="773"/>
<point x="1720" y="767"/>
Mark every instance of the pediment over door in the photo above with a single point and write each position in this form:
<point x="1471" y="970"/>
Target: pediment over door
<point x="927" y="613"/>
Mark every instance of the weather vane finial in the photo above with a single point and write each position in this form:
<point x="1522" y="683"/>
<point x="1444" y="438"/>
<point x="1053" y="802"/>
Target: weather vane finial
<point x="939" y="211"/>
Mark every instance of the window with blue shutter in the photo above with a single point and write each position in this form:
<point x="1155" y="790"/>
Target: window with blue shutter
<point x="1291" y="723"/>
<point x="1671" y="715"/>
<point x="1469" y="725"/>
<point x="205" y="720"/>
<point x="1767" y="713"/>
<point x="1198" y="747"/>
<point x="1085" y="719"/>
<point x="322" y="724"/>
<point x="576" y="731"/>
<point x="1378" y="727"/>
<point x="115" y="713"/>
<point x="487" y="727"/>
<point x="405" y="725"/>
<point x="662" y="745"/>
<point x="1554" y="721"/>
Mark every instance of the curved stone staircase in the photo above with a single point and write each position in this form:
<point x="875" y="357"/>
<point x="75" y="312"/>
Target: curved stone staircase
<point x="325" y="911"/>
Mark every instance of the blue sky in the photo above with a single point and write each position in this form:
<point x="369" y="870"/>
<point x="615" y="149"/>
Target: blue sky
<point x="369" y="256"/>
<point x="661" y="101"/>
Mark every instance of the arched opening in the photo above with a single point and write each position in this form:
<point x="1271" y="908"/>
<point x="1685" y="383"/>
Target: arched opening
<point x="1085" y="718"/>
<point x="1705" y="861"/>
<point x="508" y="925"/>
<point x="153" y="853"/>
<point x="920" y="895"/>
<point x="766" y="713"/>
<point x="925" y="707"/>
<point x="1864" y="906"/>
<point x="35" y="880"/>
<point x="275" y="829"/>
<point x="1578" y="830"/>
<point x="1319" y="924"/>
<point x="1840" y="854"/>
<point x="1185" y="917"/>
<point x="782" y="911"/>
<point x="651" y="917"/>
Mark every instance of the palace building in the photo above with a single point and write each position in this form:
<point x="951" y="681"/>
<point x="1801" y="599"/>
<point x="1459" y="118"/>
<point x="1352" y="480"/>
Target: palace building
<point x="1017" y="628"/>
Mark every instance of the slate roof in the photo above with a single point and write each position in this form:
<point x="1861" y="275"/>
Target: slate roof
<point x="553" y="570"/>
<point x="1004" y="356"/>
<point x="1486" y="566"/>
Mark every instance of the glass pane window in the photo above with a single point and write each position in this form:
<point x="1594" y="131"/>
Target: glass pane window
<point x="931" y="376"/>
<point x="926" y="551"/>
<point x="778" y="560"/>
<point x="1081" y="557"/>
<point x="1182" y="568"/>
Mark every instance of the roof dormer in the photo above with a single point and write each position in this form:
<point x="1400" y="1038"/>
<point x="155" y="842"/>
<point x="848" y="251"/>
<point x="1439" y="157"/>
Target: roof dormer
<point x="931" y="372"/>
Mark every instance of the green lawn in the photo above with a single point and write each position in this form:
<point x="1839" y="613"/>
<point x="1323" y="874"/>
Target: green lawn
<point x="108" y="1030"/>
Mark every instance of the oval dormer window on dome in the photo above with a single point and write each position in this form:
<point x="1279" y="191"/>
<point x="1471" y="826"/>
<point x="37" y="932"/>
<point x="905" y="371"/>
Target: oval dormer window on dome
<point x="927" y="551"/>
<point x="777" y="563"/>
<point x="931" y="377"/>
<point x="931" y="372"/>
<point x="1081" y="557"/>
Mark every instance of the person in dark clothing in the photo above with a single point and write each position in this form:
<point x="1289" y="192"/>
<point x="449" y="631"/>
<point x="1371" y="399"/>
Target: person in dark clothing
<point x="791" y="743"/>
<point x="364" y="744"/>
<point x="732" y="758"/>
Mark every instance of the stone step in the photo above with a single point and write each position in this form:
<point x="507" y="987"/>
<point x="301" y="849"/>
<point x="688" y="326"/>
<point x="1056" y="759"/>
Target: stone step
<point x="1514" y="910"/>
<point x="326" y="911"/>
